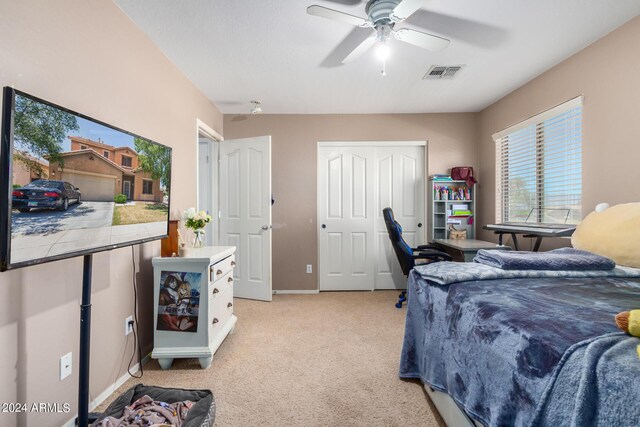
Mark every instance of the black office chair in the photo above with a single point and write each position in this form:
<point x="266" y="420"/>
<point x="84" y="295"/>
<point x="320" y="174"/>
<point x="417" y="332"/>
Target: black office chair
<point x="407" y="256"/>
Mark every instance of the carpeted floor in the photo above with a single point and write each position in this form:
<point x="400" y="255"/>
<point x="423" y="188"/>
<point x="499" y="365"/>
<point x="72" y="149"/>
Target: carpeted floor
<point x="308" y="360"/>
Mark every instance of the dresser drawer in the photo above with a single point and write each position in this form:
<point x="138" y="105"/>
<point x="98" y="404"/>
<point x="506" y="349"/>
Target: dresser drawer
<point x="220" y="310"/>
<point x="219" y="269"/>
<point x="220" y="286"/>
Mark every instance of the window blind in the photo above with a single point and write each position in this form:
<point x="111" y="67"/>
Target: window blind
<point x="539" y="167"/>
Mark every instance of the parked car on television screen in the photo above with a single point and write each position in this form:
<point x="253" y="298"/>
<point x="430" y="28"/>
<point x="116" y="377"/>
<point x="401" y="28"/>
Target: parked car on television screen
<point x="45" y="193"/>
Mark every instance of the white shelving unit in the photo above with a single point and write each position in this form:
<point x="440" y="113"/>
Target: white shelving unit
<point x="442" y="210"/>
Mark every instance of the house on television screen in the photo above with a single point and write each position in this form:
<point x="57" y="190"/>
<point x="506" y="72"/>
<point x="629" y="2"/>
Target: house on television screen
<point x="27" y="169"/>
<point x="102" y="171"/>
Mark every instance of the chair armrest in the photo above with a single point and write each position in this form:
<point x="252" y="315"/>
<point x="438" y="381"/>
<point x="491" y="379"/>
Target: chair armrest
<point x="429" y="247"/>
<point x="433" y="256"/>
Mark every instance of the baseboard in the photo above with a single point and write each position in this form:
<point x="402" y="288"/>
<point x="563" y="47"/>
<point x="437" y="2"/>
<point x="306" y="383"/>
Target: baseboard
<point x="109" y="390"/>
<point x="292" y="291"/>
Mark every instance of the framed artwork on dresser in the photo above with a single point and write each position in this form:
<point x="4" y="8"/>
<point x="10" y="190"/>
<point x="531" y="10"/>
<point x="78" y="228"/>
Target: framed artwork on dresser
<point x="178" y="301"/>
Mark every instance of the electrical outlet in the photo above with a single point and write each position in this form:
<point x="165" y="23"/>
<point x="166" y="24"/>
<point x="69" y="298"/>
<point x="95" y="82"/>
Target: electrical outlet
<point x="128" y="325"/>
<point x="309" y="268"/>
<point x="65" y="365"/>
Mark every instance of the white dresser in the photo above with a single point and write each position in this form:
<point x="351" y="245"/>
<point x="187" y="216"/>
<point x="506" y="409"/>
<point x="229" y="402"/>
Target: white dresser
<point x="193" y="304"/>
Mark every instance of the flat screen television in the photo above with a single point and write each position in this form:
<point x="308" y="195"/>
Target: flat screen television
<point x="72" y="185"/>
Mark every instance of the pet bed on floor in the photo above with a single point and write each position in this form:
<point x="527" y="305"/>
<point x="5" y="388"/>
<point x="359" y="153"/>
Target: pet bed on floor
<point x="202" y="414"/>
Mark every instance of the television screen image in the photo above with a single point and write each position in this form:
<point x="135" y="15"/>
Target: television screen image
<point x="77" y="185"/>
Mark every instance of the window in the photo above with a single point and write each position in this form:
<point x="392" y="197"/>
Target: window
<point x="539" y="167"/>
<point x="147" y="186"/>
<point x="83" y="147"/>
<point x="106" y="154"/>
<point x="126" y="161"/>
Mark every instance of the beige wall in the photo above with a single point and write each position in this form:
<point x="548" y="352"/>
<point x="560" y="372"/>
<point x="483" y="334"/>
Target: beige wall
<point x="89" y="57"/>
<point x="452" y="142"/>
<point x="606" y="73"/>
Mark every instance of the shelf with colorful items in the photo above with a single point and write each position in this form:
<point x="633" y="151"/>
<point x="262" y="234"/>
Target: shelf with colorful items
<point x="452" y="207"/>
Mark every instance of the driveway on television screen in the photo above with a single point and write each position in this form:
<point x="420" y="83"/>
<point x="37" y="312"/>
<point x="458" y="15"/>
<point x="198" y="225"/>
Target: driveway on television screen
<point x="42" y="232"/>
<point x="44" y="193"/>
<point x="46" y="222"/>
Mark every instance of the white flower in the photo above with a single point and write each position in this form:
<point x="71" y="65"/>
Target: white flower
<point x="189" y="213"/>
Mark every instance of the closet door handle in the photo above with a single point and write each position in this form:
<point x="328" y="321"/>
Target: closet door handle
<point x="233" y="263"/>
<point x="324" y="226"/>
<point x="215" y="290"/>
<point x="219" y="272"/>
<point x="419" y="224"/>
<point x="215" y="320"/>
<point x="230" y="279"/>
<point x="229" y="305"/>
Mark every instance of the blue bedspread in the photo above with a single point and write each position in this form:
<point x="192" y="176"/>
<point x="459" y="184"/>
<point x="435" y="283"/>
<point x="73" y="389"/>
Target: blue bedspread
<point x="563" y="259"/>
<point x="506" y="348"/>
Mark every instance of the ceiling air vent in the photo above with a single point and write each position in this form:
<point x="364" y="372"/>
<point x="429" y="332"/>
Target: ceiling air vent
<point x="442" y="72"/>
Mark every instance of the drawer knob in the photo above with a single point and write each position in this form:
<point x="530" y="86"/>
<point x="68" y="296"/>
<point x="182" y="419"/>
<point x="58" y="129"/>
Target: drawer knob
<point x="229" y="305"/>
<point x="215" y="290"/>
<point x="215" y="320"/>
<point x="233" y="263"/>
<point x="230" y="279"/>
<point x="219" y="272"/>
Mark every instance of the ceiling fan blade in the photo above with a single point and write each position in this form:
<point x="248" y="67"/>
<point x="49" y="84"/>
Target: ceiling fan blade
<point x="405" y="9"/>
<point x="360" y="50"/>
<point x="325" y="12"/>
<point x="423" y="40"/>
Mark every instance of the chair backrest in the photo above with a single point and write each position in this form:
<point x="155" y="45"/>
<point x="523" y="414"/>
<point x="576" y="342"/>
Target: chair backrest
<point x="400" y="247"/>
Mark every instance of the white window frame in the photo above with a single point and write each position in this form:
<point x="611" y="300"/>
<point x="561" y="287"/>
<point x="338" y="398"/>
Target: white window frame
<point x="501" y="139"/>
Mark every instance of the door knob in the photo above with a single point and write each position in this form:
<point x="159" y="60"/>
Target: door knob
<point x="324" y="225"/>
<point x="265" y="227"/>
<point x="419" y="224"/>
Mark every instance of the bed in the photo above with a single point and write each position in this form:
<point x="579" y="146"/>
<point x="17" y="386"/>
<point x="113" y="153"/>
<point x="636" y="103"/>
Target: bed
<point x="525" y="349"/>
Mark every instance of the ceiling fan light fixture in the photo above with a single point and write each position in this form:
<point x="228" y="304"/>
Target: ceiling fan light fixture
<point x="383" y="52"/>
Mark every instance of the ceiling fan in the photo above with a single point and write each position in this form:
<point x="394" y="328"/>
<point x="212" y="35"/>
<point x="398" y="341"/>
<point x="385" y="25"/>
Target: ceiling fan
<point x="382" y="16"/>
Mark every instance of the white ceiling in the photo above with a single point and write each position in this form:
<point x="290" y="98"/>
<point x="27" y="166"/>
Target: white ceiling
<point x="273" y="51"/>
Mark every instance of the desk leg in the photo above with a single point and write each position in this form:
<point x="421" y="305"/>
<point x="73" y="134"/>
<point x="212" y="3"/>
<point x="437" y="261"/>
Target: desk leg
<point x="500" y="238"/>
<point x="537" y="244"/>
<point x="515" y="242"/>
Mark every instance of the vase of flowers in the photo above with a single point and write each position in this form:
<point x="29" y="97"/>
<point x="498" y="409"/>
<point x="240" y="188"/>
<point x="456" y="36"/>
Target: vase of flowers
<point x="196" y="221"/>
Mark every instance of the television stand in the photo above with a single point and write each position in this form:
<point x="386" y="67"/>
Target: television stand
<point x="85" y="343"/>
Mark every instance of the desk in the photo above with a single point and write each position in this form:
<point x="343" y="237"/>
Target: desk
<point x="538" y="232"/>
<point x="466" y="249"/>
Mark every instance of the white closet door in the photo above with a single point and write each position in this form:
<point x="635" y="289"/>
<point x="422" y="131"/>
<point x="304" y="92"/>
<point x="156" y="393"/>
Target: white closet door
<point x="345" y="215"/>
<point x="355" y="182"/>
<point x="245" y="213"/>
<point x="400" y="186"/>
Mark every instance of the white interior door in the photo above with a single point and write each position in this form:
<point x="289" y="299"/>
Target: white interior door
<point x="346" y="217"/>
<point x="400" y="186"/>
<point x="355" y="182"/>
<point x="245" y="213"/>
<point x="208" y="185"/>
